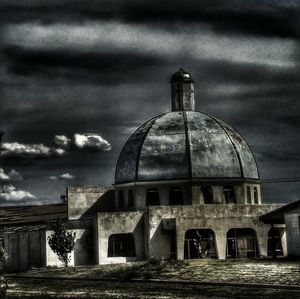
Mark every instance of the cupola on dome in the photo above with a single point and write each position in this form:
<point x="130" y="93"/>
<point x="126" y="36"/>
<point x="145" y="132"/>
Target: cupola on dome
<point x="185" y="144"/>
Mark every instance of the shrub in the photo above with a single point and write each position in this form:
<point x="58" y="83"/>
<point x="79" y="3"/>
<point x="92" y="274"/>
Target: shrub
<point x="62" y="242"/>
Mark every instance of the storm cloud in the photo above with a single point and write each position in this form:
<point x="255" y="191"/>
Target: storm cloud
<point x="76" y="67"/>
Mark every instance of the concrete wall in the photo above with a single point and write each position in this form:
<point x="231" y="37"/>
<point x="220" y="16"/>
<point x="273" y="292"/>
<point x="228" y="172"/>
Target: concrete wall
<point x="119" y="223"/>
<point x="82" y="199"/>
<point x="83" y="253"/>
<point x="191" y="194"/>
<point x="219" y="218"/>
<point x="292" y="224"/>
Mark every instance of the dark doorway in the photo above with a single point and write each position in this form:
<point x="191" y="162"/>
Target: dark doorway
<point x="229" y="194"/>
<point x="175" y="196"/>
<point x="152" y="197"/>
<point x="121" y="200"/>
<point x="274" y="243"/>
<point x="207" y="194"/>
<point x="121" y="245"/>
<point x="242" y="243"/>
<point x="130" y="199"/>
<point x="199" y="243"/>
<point x="248" y="195"/>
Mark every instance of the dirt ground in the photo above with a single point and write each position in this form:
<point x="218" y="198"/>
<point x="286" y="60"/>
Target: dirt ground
<point x="87" y="281"/>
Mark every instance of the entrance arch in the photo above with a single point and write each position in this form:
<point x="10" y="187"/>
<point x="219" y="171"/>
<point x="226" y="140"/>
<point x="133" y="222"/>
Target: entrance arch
<point x="199" y="243"/>
<point x="242" y="243"/>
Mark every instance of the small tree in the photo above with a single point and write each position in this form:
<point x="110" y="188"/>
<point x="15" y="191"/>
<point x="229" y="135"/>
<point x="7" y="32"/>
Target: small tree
<point x="62" y="242"/>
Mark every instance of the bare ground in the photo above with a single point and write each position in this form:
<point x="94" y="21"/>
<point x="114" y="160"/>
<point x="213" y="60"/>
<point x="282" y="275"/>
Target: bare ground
<point x="86" y="282"/>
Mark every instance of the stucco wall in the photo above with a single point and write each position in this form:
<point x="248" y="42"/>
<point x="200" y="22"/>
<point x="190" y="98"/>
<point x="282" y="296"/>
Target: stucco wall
<point x="219" y="218"/>
<point x="83" y="253"/>
<point x="118" y="223"/>
<point x="292" y="224"/>
<point x="81" y="199"/>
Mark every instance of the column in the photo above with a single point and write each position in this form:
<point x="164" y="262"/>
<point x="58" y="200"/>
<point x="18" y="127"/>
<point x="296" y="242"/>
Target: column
<point x="221" y="243"/>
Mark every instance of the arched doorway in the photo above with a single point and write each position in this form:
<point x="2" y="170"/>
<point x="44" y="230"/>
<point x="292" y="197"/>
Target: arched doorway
<point x="274" y="242"/>
<point x="242" y="243"/>
<point x="199" y="243"/>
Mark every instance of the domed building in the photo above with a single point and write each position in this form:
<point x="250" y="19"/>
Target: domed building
<point x="186" y="186"/>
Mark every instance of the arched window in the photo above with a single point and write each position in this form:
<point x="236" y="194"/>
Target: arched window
<point x="152" y="197"/>
<point x="229" y="194"/>
<point x="121" y="199"/>
<point x="255" y="195"/>
<point x="207" y="194"/>
<point x="130" y="199"/>
<point x="248" y="195"/>
<point x="175" y="196"/>
<point x="121" y="245"/>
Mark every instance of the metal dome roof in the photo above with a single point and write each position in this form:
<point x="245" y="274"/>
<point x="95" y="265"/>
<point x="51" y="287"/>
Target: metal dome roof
<point x="185" y="145"/>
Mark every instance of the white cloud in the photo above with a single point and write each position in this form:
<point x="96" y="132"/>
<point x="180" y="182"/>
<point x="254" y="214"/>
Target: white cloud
<point x="16" y="149"/>
<point x="67" y="176"/>
<point x="91" y="141"/>
<point x="3" y="175"/>
<point x="10" y="193"/>
<point x="12" y="175"/>
<point x="62" y="140"/>
<point x="64" y="176"/>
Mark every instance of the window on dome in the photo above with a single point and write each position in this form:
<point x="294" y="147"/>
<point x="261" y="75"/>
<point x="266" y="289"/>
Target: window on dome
<point x="248" y="195"/>
<point x="207" y="194"/>
<point x="121" y="200"/>
<point x="121" y="245"/>
<point x="152" y="197"/>
<point x="130" y="199"/>
<point x="229" y="194"/>
<point x="255" y="195"/>
<point x="175" y="196"/>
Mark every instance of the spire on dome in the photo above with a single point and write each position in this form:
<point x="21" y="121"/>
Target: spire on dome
<point x="182" y="91"/>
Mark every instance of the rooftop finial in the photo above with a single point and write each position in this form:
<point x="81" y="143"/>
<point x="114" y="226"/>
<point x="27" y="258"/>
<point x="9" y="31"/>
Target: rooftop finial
<point x="182" y="91"/>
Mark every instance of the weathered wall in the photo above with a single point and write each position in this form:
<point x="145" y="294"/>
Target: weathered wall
<point x="118" y="223"/>
<point x="83" y="200"/>
<point x="191" y="195"/>
<point x="83" y="253"/>
<point x="292" y="224"/>
<point x="25" y="250"/>
<point x="219" y="218"/>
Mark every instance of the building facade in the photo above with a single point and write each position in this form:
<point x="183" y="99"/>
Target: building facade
<point x="186" y="186"/>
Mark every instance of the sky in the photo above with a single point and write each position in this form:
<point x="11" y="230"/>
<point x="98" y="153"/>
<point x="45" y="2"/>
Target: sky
<point x="78" y="77"/>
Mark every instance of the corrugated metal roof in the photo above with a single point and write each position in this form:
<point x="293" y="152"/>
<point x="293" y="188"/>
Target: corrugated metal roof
<point x="15" y="215"/>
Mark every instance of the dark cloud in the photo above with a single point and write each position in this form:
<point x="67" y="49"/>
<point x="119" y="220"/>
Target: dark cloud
<point x="103" y="66"/>
<point x="276" y="18"/>
<point x="90" y="67"/>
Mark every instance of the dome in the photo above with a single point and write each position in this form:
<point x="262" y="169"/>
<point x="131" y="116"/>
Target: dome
<point x="185" y="145"/>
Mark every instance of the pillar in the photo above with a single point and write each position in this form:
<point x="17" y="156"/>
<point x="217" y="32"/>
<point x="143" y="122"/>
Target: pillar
<point x="221" y="244"/>
<point x="262" y="240"/>
<point x="180" y="234"/>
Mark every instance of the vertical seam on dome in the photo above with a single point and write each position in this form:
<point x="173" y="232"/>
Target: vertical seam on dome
<point x="231" y="141"/>
<point x="154" y="119"/>
<point x="188" y="146"/>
